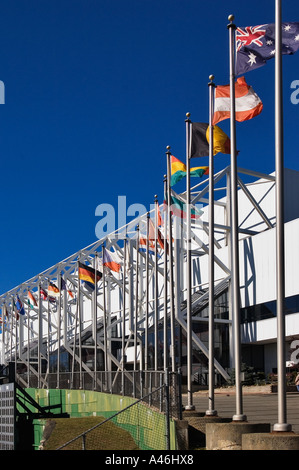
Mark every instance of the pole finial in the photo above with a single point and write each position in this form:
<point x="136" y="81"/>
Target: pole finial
<point x="211" y="83"/>
<point x="187" y="117"/>
<point x="231" y="25"/>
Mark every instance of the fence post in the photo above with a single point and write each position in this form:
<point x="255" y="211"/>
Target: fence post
<point x="134" y="384"/>
<point x="150" y="387"/>
<point x="161" y="390"/>
<point x="167" y="413"/>
<point x="84" y="442"/>
<point x="180" y="403"/>
<point x="141" y="384"/>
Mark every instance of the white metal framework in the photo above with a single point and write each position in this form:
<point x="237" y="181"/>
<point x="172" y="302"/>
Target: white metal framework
<point x="108" y="328"/>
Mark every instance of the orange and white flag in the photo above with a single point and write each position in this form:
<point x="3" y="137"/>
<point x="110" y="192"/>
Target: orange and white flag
<point x="247" y="103"/>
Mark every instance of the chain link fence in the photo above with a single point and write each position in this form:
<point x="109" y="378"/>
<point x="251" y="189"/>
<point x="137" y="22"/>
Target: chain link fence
<point x="140" y="426"/>
<point x="146" y="424"/>
<point x="136" y="384"/>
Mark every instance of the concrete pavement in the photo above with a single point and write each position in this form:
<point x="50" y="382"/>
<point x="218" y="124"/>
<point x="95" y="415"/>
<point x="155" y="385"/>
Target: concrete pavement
<point x="259" y="408"/>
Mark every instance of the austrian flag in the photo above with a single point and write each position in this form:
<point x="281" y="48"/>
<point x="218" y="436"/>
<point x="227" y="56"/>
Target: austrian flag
<point x="247" y="103"/>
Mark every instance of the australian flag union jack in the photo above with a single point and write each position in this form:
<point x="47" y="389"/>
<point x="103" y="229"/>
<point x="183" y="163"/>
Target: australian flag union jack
<point x="256" y="44"/>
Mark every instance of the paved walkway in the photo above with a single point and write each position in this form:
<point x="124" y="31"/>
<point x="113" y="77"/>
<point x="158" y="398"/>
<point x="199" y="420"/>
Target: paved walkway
<point x="259" y="408"/>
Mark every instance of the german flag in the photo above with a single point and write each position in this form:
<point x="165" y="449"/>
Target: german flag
<point x="87" y="274"/>
<point x="53" y="290"/>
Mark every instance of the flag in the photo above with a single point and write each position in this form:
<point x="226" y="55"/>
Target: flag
<point x="152" y="234"/>
<point x="87" y="275"/>
<point x="201" y="138"/>
<point x="31" y="300"/>
<point x="15" y="310"/>
<point x="19" y="306"/>
<point x="111" y="261"/>
<point x="178" y="170"/>
<point x="160" y="221"/>
<point x="142" y="246"/>
<point x="63" y="287"/>
<point x="53" y="290"/>
<point x="256" y="44"/>
<point x="248" y="104"/>
<point x="179" y="207"/>
<point x="43" y="294"/>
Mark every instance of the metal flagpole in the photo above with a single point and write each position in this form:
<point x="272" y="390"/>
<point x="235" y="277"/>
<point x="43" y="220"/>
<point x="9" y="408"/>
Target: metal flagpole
<point x="239" y="416"/>
<point x="3" y="308"/>
<point x="28" y="345"/>
<point x="80" y="335"/>
<point x="95" y="317"/>
<point x="3" y="335"/>
<point x="136" y="300"/>
<point x="156" y="293"/>
<point x="65" y="322"/>
<point x="146" y="295"/>
<point x="280" y="275"/>
<point x="39" y="339"/>
<point x="48" y="334"/>
<point x="59" y="329"/>
<point x="104" y="317"/>
<point x="11" y="331"/>
<point x="190" y="405"/>
<point x="171" y="276"/>
<point x="211" y="410"/>
<point x="16" y="336"/>
<point x="124" y="317"/>
<point x="165" y="342"/>
<point x="21" y="334"/>
<point x="75" y="330"/>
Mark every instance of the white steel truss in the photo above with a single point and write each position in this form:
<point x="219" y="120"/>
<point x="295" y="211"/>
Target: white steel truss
<point x="108" y="328"/>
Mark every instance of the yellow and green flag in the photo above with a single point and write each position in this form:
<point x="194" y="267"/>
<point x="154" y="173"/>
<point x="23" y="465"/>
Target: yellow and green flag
<point x="178" y="170"/>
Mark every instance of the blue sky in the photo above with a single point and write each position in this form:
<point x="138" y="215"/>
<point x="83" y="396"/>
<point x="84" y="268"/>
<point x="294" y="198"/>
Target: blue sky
<point x="94" y="92"/>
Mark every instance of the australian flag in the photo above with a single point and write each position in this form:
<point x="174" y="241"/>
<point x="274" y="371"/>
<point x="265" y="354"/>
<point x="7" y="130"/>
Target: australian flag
<point x="256" y="44"/>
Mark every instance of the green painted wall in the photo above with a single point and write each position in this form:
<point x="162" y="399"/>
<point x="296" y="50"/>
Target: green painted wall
<point x="78" y="403"/>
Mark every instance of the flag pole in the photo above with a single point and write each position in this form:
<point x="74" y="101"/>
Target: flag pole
<point x="48" y="333"/>
<point x="156" y="326"/>
<point x="280" y="275"/>
<point x="40" y="335"/>
<point x="16" y="337"/>
<point x="211" y="410"/>
<point x="104" y="317"/>
<point x="171" y="262"/>
<point x="165" y="343"/>
<point x="10" y="331"/>
<point x="59" y="328"/>
<point x="136" y="303"/>
<point x="239" y="416"/>
<point x="28" y="341"/>
<point x="95" y="317"/>
<point x="146" y="294"/>
<point x="123" y="325"/>
<point x="190" y="405"/>
<point x="3" y="313"/>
